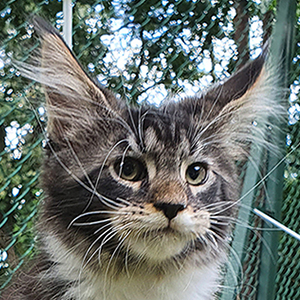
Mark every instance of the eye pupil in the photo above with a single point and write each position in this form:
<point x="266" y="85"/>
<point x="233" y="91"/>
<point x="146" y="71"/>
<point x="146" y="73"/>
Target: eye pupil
<point x="130" y="169"/>
<point x="196" y="174"/>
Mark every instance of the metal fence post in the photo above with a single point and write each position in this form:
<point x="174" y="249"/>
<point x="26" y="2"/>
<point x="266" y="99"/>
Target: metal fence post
<point x="67" y="27"/>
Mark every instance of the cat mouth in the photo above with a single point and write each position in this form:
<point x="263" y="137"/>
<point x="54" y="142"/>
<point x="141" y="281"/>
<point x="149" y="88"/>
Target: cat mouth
<point x="159" y="244"/>
<point x="165" y="231"/>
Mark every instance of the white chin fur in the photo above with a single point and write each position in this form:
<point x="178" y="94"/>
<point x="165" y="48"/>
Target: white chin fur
<point x="159" y="246"/>
<point x="163" y="243"/>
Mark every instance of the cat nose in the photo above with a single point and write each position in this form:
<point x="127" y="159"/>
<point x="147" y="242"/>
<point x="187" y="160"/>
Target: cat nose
<point x="170" y="210"/>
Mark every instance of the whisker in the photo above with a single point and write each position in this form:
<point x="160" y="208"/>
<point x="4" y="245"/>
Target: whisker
<point x="127" y="203"/>
<point x="217" y="204"/>
<point x="80" y="164"/>
<point x="109" y="230"/>
<point x="219" y="223"/>
<point x="103" y="164"/>
<point x="121" y="241"/>
<point x="110" y="203"/>
<point x="109" y="263"/>
<point x="94" y="222"/>
<point x="115" y="231"/>
<point x="219" y="212"/>
<point x="211" y="236"/>
<point x="97" y="212"/>
<point x="122" y="160"/>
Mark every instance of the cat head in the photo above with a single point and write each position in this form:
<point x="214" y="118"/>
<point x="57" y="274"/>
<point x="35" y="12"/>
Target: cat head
<point x="152" y="184"/>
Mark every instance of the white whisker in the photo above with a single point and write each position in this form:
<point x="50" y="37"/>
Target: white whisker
<point x="94" y="223"/>
<point x="103" y="164"/>
<point x="97" y="212"/>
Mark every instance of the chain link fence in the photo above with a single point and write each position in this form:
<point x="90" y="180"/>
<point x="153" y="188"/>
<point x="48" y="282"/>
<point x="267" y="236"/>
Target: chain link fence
<point x="288" y="272"/>
<point x="145" y="51"/>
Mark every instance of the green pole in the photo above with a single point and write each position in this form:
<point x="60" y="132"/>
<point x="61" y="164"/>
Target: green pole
<point x="240" y="235"/>
<point x="281" y="49"/>
<point x="281" y="53"/>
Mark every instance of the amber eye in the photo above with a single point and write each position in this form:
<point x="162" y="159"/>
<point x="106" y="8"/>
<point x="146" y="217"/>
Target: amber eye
<point x="196" y="174"/>
<point x="130" y="169"/>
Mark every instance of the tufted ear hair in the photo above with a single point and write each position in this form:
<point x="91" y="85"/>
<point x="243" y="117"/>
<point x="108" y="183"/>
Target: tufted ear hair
<point x="240" y="82"/>
<point x="73" y="99"/>
<point x="241" y="108"/>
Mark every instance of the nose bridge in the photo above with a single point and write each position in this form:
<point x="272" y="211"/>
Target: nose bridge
<point x="170" y="192"/>
<point x="170" y="198"/>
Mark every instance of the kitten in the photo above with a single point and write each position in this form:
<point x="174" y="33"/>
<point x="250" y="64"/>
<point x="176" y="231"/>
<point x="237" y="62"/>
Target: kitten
<point x="139" y="201"/>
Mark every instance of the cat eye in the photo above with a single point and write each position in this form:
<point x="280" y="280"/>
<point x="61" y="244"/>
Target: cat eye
<point x="130" y="169"/>
<point x="196" y="174"/>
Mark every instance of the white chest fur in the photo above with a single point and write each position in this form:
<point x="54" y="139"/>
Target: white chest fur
<point x="193" y="285"/>
<point x="189" y="283"/>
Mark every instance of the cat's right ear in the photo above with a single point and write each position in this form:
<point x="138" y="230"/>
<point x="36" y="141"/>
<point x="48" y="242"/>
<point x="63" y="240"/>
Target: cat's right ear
<point x="73" y="99"/>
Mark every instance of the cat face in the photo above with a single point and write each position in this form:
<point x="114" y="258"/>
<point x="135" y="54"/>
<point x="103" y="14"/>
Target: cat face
<point x="148" y="187"/>
<point x="144" y="186"/>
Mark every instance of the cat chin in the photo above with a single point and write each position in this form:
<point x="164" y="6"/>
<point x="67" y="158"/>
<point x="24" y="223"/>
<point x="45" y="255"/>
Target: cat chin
<point x="158" y="246"/>
<point x="161" y="240"/>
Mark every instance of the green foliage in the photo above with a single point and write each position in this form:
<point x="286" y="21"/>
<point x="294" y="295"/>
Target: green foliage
<point x="132" y="47"/>
<point x="162" y="43"/>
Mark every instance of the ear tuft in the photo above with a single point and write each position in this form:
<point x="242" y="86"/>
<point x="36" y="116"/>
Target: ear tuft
<point x="72" y="97"/>
<point x="254" y="110"/>
<point x="240" y="82"/>
<point x="242" y="109"/>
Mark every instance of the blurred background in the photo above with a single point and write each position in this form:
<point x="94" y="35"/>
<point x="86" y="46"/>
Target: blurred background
<point x="146" y="51"/>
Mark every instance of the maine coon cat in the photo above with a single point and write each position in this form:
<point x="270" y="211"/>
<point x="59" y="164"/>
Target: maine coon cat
<point x="139" y="201"/>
